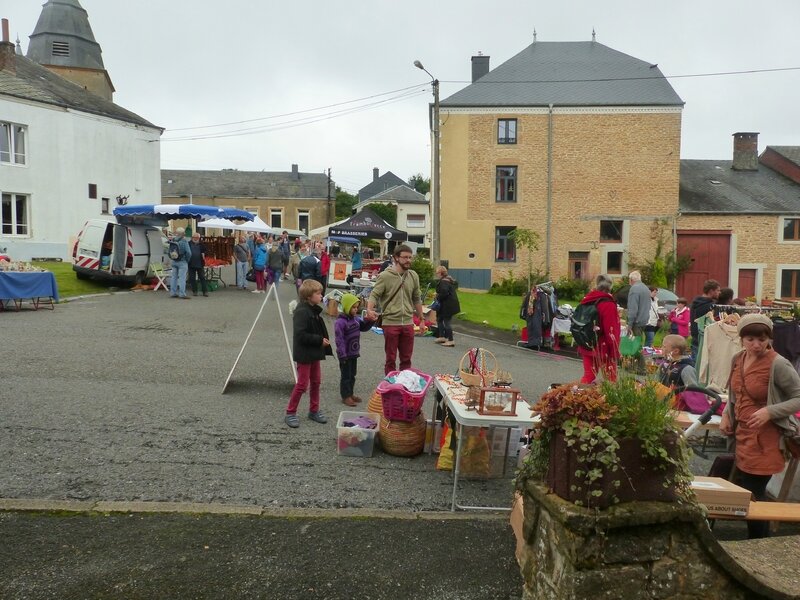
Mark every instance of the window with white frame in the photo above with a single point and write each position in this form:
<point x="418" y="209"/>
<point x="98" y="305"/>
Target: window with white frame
<point x="790" y="284"/>
<point x="275" y="218"/>
<point x="415" y="221"/>
<point x="791" y="229"/>
<point x="253" y="210"/>
<point x="12" y="143"/>
<point x="14" y="215"/>
<point x="303" y="220"/>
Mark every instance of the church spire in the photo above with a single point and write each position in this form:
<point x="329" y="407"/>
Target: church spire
<point x="63" y="42"/>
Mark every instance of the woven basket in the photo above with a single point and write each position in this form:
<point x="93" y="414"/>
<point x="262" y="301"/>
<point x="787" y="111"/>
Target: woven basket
<point x="399" y="438"/>
<point x="488" y="367"/>
<point x="375" y="404"/>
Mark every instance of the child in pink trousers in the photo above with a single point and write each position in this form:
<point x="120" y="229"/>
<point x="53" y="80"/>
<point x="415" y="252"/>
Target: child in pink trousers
<point x="311" y="345"/>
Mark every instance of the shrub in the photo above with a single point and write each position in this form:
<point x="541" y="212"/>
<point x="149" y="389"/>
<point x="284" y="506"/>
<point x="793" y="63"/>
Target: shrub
<point x="510" y="286"/>
<point x="568" y="288"/>
<point x="423" y="268"/>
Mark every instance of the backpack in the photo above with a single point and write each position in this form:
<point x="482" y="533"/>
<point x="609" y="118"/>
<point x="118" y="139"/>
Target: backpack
<point x="174" y="250"/>
<point x="585" y="322"/>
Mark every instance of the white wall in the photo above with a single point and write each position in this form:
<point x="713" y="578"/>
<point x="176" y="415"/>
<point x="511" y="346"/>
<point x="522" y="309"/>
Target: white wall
<point x="403" y="210"/>
<point x="66" y="151"/>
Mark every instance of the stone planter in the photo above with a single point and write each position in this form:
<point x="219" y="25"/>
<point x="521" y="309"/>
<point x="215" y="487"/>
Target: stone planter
<point x="640" y="476"/>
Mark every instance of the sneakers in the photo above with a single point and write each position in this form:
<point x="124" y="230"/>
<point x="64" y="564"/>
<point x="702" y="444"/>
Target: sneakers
<point x="449" y="344"/>
<point x="317" y="417"/>
<point x="440" y="340"/>
<point x="292" y="421"/>
<point x="256" y="291"/>
<point x="350" y="401"/>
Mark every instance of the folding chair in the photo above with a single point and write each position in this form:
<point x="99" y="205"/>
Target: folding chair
<point x="161" y="274"/>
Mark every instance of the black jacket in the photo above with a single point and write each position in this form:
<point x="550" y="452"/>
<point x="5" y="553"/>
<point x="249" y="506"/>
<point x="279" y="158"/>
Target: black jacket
<point x="309" y="329"/>
<point x="198" y="250"/>
<point x="700" y="306"/>
<point x="449" y="305"/>
<point x="310" y="268"/>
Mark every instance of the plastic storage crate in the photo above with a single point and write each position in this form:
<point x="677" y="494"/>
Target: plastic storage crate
<point x="356" y="441"/>
<point x="398" y="403"/>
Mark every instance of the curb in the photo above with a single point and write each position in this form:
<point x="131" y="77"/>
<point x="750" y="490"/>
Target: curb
<point x="198" y="508"/>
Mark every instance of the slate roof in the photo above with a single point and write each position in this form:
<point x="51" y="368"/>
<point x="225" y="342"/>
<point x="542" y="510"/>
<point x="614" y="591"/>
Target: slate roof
<point x="737" y="192"/>
<point x="34" y="82"/>
<point x="569" y="74"/>
<point x="384" y="182"/>
<point x="790" y="153"/>
<point x="67" y="22"/>
<point x="400" y="193"/>
<point x="243" y="184"/>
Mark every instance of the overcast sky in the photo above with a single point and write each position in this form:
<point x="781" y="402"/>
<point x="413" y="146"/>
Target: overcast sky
<point x="193" y="63"/>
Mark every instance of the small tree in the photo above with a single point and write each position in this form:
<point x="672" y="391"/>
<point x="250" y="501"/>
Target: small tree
<point x="344" y="203"/>
<point x="528" y="239"/>
<point x="420" y="183"/>
<point x="661" y="270"/>
<point x="387" y="212"/>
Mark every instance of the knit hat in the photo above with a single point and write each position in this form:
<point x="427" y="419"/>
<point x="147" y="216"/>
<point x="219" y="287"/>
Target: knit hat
<point x="753" y="320"/>
<point x="348" y="301"/>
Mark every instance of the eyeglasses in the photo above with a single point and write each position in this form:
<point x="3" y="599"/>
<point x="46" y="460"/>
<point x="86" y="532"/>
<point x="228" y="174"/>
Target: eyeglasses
<point x="405" y="256"/>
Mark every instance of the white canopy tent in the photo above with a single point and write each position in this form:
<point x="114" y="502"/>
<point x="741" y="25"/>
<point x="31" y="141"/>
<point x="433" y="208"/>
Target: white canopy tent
<point x="257" y="225"/>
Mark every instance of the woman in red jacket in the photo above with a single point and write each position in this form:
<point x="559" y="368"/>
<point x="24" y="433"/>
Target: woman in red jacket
<point x="605" y="355"/>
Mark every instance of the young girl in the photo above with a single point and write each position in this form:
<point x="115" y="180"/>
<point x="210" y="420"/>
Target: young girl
<point x="347" y="330"/>
<point x="260" y="266"/>
<point x="311" y="345"/>
<point x="679" y="318"/>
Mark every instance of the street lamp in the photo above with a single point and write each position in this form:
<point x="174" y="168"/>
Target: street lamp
<point x="435" y="233"/>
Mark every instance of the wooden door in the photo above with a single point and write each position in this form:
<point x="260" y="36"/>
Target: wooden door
<point x="747" y="283"/>
<point x="710" y="254"/>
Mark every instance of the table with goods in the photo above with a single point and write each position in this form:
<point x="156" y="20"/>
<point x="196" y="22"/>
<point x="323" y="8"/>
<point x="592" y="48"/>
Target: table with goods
<point x="21" y="281"/>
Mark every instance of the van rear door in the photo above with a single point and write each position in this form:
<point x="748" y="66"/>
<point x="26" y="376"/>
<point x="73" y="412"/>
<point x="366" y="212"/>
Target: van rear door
<point x="119" y="255"/>
<point x="156" y="243"/>
<point x="90" y="243"/>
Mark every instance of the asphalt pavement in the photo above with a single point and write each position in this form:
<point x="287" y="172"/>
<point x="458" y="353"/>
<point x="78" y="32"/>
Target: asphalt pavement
<point x="126" y="473"/>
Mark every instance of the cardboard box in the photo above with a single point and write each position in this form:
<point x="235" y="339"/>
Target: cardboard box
<point x="721" y="497"/>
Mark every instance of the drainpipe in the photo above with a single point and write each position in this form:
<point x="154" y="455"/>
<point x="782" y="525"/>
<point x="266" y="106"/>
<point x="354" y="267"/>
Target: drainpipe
<point x="549" y="187"/>
<point x="675" y="246"/>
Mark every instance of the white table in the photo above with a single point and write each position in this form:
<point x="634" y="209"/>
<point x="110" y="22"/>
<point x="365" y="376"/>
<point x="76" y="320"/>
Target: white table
<point x="524" y="419"/>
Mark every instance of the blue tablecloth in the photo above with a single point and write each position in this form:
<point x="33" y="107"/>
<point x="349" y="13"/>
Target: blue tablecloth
<point x="16" y="286"/>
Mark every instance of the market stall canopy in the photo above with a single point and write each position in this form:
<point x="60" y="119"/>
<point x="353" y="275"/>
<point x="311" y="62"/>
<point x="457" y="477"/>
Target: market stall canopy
<point x="181" y="211"/>
<point x="344" y="239"/>
<point x="367" y="224"/>
<point x="256" y="225"/>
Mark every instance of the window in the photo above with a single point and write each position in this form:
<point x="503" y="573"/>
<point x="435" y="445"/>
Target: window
<point x="104" y="206"/>
<point x="790" y="283"/>
<point x="579" y="265"/>
<point x="791" y="230"/>
<point x="275" y="218"/>
<point x="415" y="221"/>
<point x="93" y="191"/>
<point x="14" y="214"/>
<point x="504" y="250"/>
<point x="611" y="231"/>
<point x="506" y="131"/>
<point x="12" y="143"/>
<point x="614" y="263"/>
<point x="60" y="48"/>
<point x="506" y="184"/>
<point x="253" y="210"/>
<point x="303" y="220"/>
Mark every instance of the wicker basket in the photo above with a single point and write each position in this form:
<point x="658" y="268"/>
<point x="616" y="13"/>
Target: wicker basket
<point x="485" y="363"/>
<point x="399" y="438"/>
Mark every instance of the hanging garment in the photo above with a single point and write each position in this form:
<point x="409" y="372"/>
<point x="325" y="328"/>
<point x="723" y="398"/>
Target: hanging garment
<point x="720" y="343"/>
<point x="786" y="339"/>
<point x="701" y="323"/>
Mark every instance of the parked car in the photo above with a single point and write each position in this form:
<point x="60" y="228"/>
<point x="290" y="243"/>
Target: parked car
<point x="667" y="300"/>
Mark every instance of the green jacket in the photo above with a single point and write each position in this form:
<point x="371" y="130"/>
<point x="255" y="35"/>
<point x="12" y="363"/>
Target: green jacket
<point x="400" y="310"/>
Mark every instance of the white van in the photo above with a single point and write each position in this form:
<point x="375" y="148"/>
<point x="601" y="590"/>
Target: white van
<point x="108" y="250"/>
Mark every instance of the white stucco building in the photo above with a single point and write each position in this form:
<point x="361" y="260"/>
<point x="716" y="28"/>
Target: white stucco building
<point x="67" y="152"/>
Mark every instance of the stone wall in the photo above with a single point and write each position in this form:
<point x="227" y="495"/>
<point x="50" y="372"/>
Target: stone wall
<point x="634" y="551"/>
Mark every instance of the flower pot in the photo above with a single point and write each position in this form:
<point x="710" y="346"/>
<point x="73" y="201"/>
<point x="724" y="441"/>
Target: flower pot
<point x="639" y="476"/>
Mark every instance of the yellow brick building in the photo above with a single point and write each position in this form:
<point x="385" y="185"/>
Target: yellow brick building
<point x="573" y="140"/>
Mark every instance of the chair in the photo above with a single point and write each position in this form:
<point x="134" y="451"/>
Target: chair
<point x="161" y="274"/>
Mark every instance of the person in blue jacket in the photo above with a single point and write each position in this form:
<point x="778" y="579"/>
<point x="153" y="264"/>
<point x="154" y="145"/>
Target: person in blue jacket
<point x="260" y="266"/>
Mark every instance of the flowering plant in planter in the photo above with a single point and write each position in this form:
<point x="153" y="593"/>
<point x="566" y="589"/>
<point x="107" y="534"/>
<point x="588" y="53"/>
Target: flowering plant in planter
<point x="615" y="442"/>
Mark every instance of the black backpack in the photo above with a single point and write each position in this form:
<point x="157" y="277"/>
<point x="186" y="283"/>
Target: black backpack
<point x="174" y="250"/>
<point x="585" y="323"/>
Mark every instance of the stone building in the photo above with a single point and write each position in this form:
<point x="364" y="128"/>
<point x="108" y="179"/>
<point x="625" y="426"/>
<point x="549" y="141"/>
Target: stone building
<point x="573" y="140"/>
<point x="284" y="200"/>
<point x="740" y="221"/>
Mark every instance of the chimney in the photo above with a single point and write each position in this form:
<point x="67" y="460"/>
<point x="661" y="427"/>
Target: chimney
<point x="7" y="51"/>
<point x="375" y="174"/>
<point x="295" y="173"/>
<point x="480" y="66"/>
<point x="745" y="151"/>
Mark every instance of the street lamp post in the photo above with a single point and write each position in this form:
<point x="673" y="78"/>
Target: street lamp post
<point x="435" y="208"/>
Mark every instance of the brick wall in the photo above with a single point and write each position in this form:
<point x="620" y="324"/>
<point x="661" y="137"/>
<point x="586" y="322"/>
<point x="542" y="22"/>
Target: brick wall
<point x="616" y="166"/>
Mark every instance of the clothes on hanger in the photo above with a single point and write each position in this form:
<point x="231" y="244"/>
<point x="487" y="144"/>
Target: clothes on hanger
<point x="720" y="342"/>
